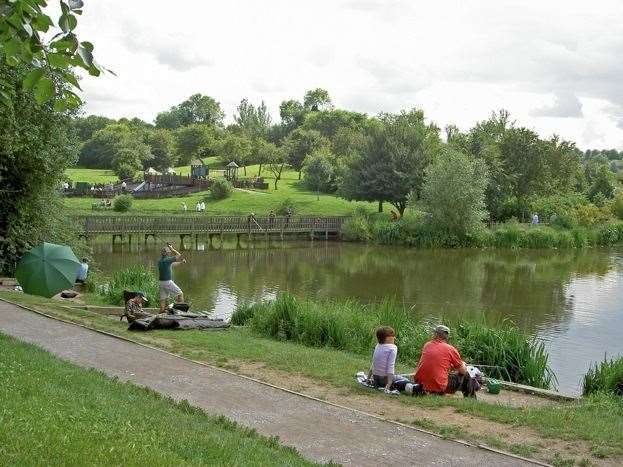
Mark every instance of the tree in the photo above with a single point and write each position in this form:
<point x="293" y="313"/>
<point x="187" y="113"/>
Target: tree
<point x="398" y="149"/>
<point x="254" y="121"/>
<point x="454" y="193"/>
<point x="317" y="99"/>
<point x="329" y="122"/>
<point x="292" y="113"/>
<point x="24" y="29"/>
<point x="162" y="146"/>
<point x="301" y="143"/>
<point x="86" y="126"/>
<point x="116" y="147"/>
<point x="36" y="147"/>
<point x="196" y="109"/>
<point x="602" y="186"/>
<point x="261" y="153"/>
<point x="276" y="161"/>
<point x="237" y="148"/>
<point x="319" y="171"/>
<point x="192" y="142"/>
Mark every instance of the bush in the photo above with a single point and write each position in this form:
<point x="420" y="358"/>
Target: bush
<point x="133" y="278"/>
<point x="220" y="189"/>
<point x="282" y="207"/>
<point x="350" y="326"/>
<point x="125" y="171"/>
<point x="122" y="203"/>
<point x="617" y="205"/>
<point x="589" y="215"/>
<point x="606" y="376"/>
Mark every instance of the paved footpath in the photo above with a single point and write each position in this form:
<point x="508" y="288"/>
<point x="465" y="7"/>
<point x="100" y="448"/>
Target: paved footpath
<point x="319" y="431"/>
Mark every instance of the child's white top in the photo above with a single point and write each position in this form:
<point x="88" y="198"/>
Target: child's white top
<point x="384" y="359"/>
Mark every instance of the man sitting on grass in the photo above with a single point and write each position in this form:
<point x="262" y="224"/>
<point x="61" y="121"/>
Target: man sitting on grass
<point x="165" y="276"/>
<point x="134" y="307"/>
<point x="438" y="357"/>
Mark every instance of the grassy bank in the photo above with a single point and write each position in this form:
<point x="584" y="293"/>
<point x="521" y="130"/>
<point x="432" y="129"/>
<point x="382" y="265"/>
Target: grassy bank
<point x="58" y="414"/>
<point x="350" y="326"/>
<point x="596" y="421"/>
<point x="289" y="190"/>
<point x="416" y="232"/>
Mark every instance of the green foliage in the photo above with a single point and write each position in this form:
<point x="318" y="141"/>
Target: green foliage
<point x="162" y="147"/>
<point x="317" y="99"/>
<point x="392" y="165"/>
<point x="617" y="206"/>
<point x="220" y="189"/>
<point x="197" y="109"/>
<point x="301" y="143"/>
<point x="194" y="141"/>
<point x="116" y="146"/>
<point x="350" y="326"/>
<point x="319" y="171"/>
<point x="134" y="278"/>
<point x="602" y="186"/>
<point x="254" y="121"/>
<point x="453" y="193"/>
<point x="122" y="203"/>
<point x="237" y="148"/>
<point x="286" y="205"/>
<point x="24" y="27"/>
<point x="35" y="148"/>
<point x="606" y="377"/>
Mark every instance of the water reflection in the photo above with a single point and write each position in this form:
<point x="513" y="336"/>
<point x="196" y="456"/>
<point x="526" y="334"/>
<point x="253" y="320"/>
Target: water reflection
<point x="568" y="298"/>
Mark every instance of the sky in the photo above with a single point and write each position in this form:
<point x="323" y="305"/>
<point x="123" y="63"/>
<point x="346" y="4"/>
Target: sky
<point x="557" y="66"/>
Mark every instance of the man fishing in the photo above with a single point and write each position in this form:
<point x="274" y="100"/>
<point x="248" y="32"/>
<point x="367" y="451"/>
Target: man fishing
<point x="168" y="257"/>
<point x="438" y="358"/>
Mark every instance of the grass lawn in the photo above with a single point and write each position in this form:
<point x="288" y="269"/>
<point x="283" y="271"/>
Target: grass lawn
<point x="241" y="202"/>
<point x="55" y="413"/>
<point x="597" y="421"/>
<point x="91" y="175"/>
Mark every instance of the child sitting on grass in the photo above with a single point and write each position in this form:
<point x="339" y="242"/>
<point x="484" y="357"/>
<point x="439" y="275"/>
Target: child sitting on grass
<point x="384" y="359"/>
<point x="383" y="368"/>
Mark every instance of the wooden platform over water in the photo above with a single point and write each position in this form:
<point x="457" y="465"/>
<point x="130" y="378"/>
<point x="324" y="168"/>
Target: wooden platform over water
<point x="195" y="225"/>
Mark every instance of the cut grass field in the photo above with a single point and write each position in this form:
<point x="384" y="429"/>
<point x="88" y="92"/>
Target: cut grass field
<point x="91" y="175"/>
<point x="55" y="413"/>
<point x="241" y="202"/>
<point x="591" y="429"/>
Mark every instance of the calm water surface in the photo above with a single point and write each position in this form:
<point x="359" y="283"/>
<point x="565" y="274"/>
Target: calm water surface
<point x="569" y="299"/>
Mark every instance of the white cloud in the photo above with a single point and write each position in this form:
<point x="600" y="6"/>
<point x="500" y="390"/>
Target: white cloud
<point x="543" y="61"/>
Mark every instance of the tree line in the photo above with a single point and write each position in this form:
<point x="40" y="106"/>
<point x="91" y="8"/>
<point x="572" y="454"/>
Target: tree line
<point x="384" y="159"/>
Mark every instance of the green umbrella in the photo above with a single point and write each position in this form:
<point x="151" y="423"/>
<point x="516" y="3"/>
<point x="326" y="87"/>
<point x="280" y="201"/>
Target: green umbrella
<point x="47" y="269"/>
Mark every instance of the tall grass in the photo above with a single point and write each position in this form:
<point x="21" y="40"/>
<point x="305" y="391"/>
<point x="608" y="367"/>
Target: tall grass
<point x="417" y="232"/>
<point x="350" y="326"/>
<point x="134" y="278"/>
<point x="606" y="376"/>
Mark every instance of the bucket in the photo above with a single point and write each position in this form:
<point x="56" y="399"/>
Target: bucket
<point x="493" y="386"/>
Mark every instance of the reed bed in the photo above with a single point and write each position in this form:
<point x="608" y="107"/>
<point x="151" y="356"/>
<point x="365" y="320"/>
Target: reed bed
<point x="350" y="326"/>
<point x="605" y="377"/>
<point x="134" y="278"/>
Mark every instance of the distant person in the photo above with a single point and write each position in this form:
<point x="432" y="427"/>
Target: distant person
<point x="123" y="185"/>
<point x="168" y="257"/>
<point x="203" y="206"/>
<point x="83" y="271"/>
<point x="288" y="216"/>
<point x="437" y="359"/>
<point x="184" y="207"/>
<point x="535" y="219"/>
<point x="271" y="218"/>
<point x="553" y="218"/>
<point x="198" y="206"/>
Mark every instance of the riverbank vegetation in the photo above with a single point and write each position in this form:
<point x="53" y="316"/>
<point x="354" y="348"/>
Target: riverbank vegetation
<point x="595" y="422"/>
<point x="106" y="422"/>
<point x="605" y="377"/>
<point x="349" y="326"/>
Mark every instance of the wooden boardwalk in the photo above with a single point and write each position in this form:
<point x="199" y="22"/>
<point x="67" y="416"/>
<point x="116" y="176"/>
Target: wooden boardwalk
<point x="195" y="225"/>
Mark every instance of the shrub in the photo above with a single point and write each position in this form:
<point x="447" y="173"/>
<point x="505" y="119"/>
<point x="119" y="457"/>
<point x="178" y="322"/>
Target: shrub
<point x="319" y="171"/>
<point x="220" y="189"/>
<point x="122" y="203"/>
<point x="606" y="376"/>
<point x="349" y="326"/>
<point x="282" y="207"/>
<point x="133" y="278"/>
<point x="589" y="215"/>
<point x="556" y="205"/>
<point x="356" y="229"/>
<point x="617" y="205"/>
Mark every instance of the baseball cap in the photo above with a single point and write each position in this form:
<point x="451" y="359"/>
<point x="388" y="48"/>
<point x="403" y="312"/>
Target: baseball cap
<point x="441" y="328"/>
<point x="141" y="294"/>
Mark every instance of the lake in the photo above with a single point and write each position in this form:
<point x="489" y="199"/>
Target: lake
<point x="572" y="300"/>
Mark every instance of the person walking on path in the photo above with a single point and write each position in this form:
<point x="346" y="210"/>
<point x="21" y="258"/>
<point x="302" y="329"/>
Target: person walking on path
<point x="168" y="257"/>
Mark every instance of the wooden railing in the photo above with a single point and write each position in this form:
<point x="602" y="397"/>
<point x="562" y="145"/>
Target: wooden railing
<point x="204" y="224"/>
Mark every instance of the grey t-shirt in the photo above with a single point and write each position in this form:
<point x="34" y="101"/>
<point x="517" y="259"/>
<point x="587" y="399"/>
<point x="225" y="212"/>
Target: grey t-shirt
<point x="384" y="359"/>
